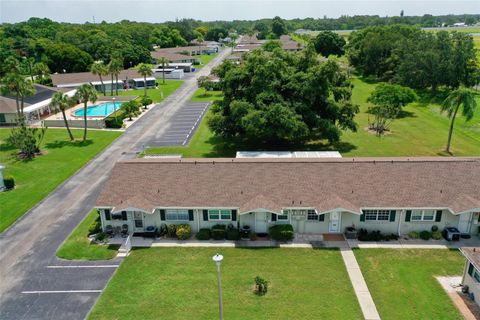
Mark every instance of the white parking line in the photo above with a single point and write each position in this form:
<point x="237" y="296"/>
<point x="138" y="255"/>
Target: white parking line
<point x="194" y="125"/>
<point x="90" y="266"/>
<point x="64" y="291"/>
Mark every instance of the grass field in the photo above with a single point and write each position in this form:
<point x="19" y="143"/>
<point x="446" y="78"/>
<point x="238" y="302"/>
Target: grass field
<point x="180" y="283"/>
<point x="402" y="282"/>
<point x="156" y="94"/>
<point x="206" y="58"/>
<point x="38" y="177"/>
<point x="421" y="131"/>
<point x="199" y="96"/>
<point x="78" y="246"/>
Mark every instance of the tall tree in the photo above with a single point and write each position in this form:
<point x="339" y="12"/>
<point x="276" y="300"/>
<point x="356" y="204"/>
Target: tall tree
<point x="114" y="68"/>
<point x="461" y="97"/>
<point x="62" y="102"/>
<point x="278" y="27"/>
<point x="164" y="62"/>
<point x="86" y="93"/>
<point x="145" y="70"/>
<point x="42" y="73"/>
<point x="328" y="42"/>
<point x="100" y="69"/>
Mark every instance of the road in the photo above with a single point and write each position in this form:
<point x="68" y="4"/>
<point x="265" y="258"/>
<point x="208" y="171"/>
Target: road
<point x="34" y="284"/>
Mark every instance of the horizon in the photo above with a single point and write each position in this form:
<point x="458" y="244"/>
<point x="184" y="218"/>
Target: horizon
<point x="83" y="11"/>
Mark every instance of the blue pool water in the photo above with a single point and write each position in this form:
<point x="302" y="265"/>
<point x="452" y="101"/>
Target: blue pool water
<point x="99" y="110"/>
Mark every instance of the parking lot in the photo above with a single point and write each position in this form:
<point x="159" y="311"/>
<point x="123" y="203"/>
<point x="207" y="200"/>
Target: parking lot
<point x="181" y="127"/>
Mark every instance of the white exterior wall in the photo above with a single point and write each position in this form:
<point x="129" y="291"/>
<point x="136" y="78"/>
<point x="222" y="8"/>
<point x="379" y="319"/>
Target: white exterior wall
<point x="473" y="286"/>
<point x="10" y="118"/>
<point x="448" y="220"/>
<point x="349" y="219"/>
<point x="91" y="123"/>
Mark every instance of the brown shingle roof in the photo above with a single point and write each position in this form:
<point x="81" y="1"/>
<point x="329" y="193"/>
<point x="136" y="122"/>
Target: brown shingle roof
<point x="472" y="254"/>
<point x="174" y="54"/>
<point x="324" y="184"/>
<point x="59" y="79"/>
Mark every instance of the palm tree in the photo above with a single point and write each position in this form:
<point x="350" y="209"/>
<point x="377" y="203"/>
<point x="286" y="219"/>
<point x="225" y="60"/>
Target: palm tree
<point x="145" y="70"/>
<point x="10" y="86"/>
<point x="164" y="62"/>
<point x="41" y="72"/>
<point x="200" y="41"/>
<point x="84" y="94"/>
<point x="114" y="68"/>
<point x="100" y="69"/>
<point x="26" y="88"/>
<point x="19" y="87"/>
<point x="461" y="97"/>
<point x="61" y="101"/>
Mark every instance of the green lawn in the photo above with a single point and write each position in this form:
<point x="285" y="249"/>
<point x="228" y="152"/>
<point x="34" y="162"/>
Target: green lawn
<point x="206" y="58"/>
<point x="156" y="94"/>
<point x="36" y="178"/>
<point x="422" y="131"/>
<point x="402" y="282"/>
<point x="199" y="96"/>
<point x="78" y="246"/>
<point x="180" y="283"/>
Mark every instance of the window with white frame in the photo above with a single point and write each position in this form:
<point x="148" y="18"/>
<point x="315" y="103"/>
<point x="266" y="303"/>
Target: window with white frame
<point x="220" y="215"/>
<point x="472" y="271"/>
<point x="176" y="215"/>
<point x="283" y="216"/>
<point x="423" y="215"/>
<point x="376" y="215"/>
<point x="312" y="215"/>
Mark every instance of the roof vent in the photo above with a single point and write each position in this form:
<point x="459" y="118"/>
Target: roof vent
<point x="293" y="201"/>
<point x="374" y="162"/>
<point x="195" y="161"/>
<point x="241" y="191"/>
<point x="158" y="190"/>
<point x="213" y="161"/>
<point x="441" y="191"/>
<point x="352" y="190"/>
<point x="300" y="201"/>
<point x="474" y="250"/>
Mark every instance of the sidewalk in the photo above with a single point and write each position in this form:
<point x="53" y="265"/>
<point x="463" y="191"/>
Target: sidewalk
<point x="364" y="297"/>
<point x="415" y="244"/>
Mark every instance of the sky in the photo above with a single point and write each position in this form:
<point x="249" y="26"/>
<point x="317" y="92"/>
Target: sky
<point x="80" y="11"/>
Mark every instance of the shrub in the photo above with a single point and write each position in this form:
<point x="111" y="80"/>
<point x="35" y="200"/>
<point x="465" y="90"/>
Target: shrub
<point x="233" y="234"/>
<point x="163" y="230"/>
<point x="436" y="235"/>
<point x="218" y="232"/>
<point x="95" y="227"/>
<point x="114" y="122"/>
<point x="172" y="230"/>
<point x="413" y="235"/>
<point x="261" y="286"/>
<point x="281" y="232"/>
<point x="9" y="182"/>
<point x="425" y="235"/>
<point x="203" y="234"/>
<point x="100" y="236"/>
<point x="364" y="235"/>
<point x="434" y="228"/>
<point x="184" y="231"/>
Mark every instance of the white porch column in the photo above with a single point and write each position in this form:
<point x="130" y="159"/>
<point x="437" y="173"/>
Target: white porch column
<point x="400" y="222"/>
<point x="2" y="184"/>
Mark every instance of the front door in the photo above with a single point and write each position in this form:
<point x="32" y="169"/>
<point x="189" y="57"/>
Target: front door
<point x="260" y="222"/>
<point x="464" y="222"/>
<point x="138" y="221"/>
<point x="334" y="225"/>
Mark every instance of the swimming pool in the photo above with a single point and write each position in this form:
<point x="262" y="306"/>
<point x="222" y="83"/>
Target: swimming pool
<point x="99" y="110"/>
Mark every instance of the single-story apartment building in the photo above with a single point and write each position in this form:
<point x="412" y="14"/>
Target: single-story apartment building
<point x="76" y="79"/>
<point x="314" y="195"/>
<point x="168" y="73"/>
<point x="172" y="56"/>
<point x="36" y="107"/>
<point x="471" y="272"/>
<point x="139" y="83"/>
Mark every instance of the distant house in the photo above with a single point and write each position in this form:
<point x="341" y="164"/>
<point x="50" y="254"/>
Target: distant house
<point x="139" y="83"/>
<point x="314" y="195"/>
<point x="471" y="272"/>
<point x="76" y="79"/>
<point x="172" y="56"/>
<point x="168" y="73"/>
<point x="36" y="107"/>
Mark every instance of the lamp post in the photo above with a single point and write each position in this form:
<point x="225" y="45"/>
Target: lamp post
<point x="218" y="261"/>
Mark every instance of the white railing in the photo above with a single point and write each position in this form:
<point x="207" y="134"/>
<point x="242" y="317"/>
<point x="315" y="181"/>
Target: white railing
<point x="128" y="244"/>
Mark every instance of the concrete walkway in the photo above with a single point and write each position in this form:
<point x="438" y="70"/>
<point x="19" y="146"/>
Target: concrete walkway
<point x="416" y="244"/>
<point x="364" y="297"/>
